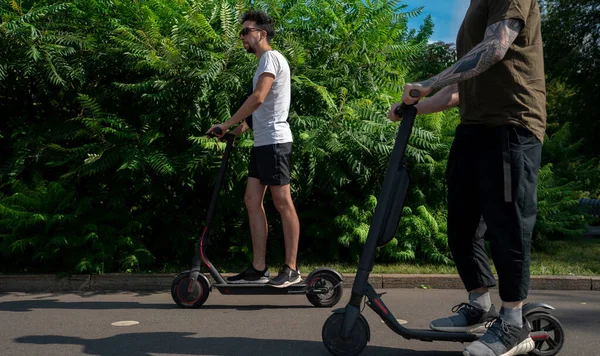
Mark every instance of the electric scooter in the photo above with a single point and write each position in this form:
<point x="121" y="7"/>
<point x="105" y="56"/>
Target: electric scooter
<point x="190" y="289"/>
<point x="346" y="332"/>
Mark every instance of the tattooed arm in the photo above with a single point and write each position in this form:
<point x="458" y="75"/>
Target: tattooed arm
<point x="497" y="39"/>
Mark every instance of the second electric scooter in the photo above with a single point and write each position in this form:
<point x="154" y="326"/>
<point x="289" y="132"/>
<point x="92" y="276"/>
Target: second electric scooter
<point x="346" y="332"/>
<point x="190" y="289"/>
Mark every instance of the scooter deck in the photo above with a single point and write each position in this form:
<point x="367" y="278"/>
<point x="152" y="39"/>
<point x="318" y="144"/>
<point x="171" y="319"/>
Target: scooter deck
<point x="259" y="289"/>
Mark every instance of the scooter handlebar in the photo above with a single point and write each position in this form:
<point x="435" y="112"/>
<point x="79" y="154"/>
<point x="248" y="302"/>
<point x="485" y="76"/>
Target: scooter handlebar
<point x="217" y="131"/>
<point x="414" y="93"/>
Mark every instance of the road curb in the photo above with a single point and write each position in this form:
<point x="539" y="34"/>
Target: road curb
<point x="162" y="282"/>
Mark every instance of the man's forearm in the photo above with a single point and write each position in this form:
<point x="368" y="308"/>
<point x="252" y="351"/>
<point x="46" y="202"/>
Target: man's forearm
<point x="497" y="40"/>
<point x="442" y="100"/>
<point x="247" y="108"/>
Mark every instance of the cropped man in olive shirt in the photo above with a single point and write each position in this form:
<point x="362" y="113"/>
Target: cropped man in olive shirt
<point x="498" y="84"/>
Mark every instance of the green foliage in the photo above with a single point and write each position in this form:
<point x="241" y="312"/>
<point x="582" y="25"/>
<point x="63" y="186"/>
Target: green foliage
<point x="571" y="34"/>
<point x="564" y="152"/>
<point x="419" y="237"/>
<point x="559" y="212"/>
<point x="105" y="102"/>
<point x="108" y="100"/>
<point x="436" y="57"/>
<point x="565" y="177"/>
<point x="50" y="228"/>
<point x="357" y="56"/>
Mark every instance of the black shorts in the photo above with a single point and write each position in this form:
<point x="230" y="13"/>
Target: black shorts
<point x="270" y="164"/>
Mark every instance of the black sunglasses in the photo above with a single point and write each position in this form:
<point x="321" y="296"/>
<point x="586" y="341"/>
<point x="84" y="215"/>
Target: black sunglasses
<point x="247" y="30"/>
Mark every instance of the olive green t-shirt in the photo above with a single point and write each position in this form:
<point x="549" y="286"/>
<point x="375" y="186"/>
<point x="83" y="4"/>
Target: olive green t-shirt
<point x="512" y="91"/>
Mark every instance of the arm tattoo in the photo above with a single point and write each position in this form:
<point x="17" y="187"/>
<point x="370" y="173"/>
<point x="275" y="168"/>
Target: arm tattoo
<point x="498" y="38"/>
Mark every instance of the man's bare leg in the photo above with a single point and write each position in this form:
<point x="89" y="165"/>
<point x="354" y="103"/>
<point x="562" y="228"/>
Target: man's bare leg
<point x="253" y="198"/>
<point x="282" y="198"/>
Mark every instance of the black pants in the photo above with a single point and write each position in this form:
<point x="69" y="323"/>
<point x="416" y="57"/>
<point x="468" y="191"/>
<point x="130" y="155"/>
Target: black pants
<point x="493" y="172"/>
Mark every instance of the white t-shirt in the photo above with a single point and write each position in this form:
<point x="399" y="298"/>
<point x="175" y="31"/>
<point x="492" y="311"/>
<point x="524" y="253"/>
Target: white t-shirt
<point x="269" y="121"/>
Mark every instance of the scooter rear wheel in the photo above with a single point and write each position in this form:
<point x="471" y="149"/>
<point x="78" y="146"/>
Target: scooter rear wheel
<point x="354" y="344"/>
<point x="188" y="294"/>
<point x="326" y="280"/>
<point x="543" y="321"/>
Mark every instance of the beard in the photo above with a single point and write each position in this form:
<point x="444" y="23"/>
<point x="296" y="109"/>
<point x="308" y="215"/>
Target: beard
<point x="250" y="49"/>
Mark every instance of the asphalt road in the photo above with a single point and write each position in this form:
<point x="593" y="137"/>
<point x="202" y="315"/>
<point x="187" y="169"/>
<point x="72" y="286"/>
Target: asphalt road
<point x="80" y="324"/>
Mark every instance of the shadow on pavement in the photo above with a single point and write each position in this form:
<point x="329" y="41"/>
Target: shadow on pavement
<point x="30" y="305"/>
<point x="177" y="343"/>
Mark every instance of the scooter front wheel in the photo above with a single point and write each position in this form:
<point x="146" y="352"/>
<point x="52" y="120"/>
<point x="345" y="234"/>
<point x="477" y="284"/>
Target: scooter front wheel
<point x="354" y="344"/>
<point x="553" y="343"/>
<point x="187" y="293"/>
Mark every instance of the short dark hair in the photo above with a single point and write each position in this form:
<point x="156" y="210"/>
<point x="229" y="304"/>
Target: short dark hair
<point x="263" y="21"/>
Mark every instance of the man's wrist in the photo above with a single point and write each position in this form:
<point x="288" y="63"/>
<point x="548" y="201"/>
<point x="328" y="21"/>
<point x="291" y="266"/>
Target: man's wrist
<point x="228" y="124"/>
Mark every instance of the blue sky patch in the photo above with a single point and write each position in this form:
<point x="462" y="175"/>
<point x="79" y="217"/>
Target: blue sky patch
<point x="447" y="15"/>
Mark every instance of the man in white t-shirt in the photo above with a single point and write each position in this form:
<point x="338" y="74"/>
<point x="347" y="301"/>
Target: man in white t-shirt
<point x="269" y="106"/>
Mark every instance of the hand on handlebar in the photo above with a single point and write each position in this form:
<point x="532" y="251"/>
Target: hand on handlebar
<point x="395" y="113"/>
<point x="413" y="92"/>
<point x="216" y="131"/>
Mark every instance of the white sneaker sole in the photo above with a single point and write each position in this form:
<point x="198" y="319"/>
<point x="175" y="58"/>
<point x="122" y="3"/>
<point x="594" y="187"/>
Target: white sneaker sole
<point x="523" y="348"/>
<point x="287" y="283"/>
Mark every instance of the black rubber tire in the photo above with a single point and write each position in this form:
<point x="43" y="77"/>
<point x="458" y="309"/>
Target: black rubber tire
<point x="189" y="299"/>
<point x="354" y="345"/>
<point x="541" y="320"/>
<point x="329" y="280"/>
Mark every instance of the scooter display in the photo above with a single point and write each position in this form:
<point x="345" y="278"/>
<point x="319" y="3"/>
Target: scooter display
<point x="191" y="288"/>
<point x="346" y="332"/>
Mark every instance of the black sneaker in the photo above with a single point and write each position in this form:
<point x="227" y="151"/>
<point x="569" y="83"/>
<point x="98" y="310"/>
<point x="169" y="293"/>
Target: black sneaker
<point x="286" y="277"/>
<point x="468" y="319"/>
<point x="502" y="339"/>
<point x="251" y="275"/>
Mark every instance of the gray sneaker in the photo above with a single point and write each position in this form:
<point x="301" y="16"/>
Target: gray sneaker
<point x="468" y="319"/>
<point x="502" y="339"/>
<point x="286" y="277"/>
